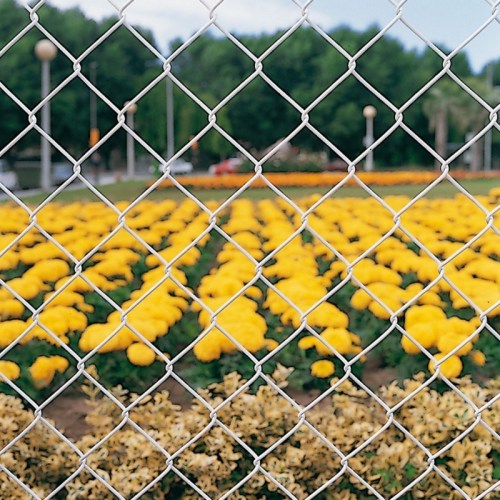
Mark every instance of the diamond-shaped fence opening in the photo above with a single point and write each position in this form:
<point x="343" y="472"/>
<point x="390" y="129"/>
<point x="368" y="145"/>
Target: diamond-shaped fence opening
<point x="320" y="329"/>
<point x="38" y="440"/>
<point x="303" y="484"/>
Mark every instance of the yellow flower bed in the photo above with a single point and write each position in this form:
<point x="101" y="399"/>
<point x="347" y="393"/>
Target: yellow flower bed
<point x="309" y="179"/>
<point x="352" y="227"/>
<point x="307" y="258"/>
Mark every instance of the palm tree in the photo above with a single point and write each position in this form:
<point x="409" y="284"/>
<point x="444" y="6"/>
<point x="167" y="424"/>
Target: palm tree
<point x="470" y="115"/>
<point x="440" y="101"/>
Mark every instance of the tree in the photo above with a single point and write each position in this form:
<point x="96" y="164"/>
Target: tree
<point x="442" y="98"/>
<point x="471" y="115"/>
<point x="303" y="67"/>
<point x="122" y="63"/>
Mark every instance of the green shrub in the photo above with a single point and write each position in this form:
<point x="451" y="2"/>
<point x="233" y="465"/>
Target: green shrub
<point x="302" y="463"/>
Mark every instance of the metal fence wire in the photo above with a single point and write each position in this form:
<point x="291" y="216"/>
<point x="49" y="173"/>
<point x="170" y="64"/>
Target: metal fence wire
<point x="210" y="9"/>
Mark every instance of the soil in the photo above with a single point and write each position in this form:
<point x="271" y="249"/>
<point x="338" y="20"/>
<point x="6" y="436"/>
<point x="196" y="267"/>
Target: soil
<point x="69" y="415"/>
<point x="69" y="412"/>
<point x="375" y="375"/>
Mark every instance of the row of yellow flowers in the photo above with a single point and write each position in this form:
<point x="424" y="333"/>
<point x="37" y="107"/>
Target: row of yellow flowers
<point x="79" y="228"/>
<point x="317" y="179"/>
<point x="441" y="229"/>
<point x="351" y="227"/>
<point x="340" y="232"/>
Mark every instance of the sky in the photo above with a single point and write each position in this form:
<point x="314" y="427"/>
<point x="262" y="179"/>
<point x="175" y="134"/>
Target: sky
<point x="447" y="22"/>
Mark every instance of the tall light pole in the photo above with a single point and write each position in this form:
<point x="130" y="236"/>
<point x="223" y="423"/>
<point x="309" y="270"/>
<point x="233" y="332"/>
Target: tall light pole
<point x="94" y="131"/>
<point x="369" y="112"/>
<point x="94" y="134"/>
<point x="170" y="119"/>
<point x="45" y="51"/>
<point x="130" y="141"/>
<point x="488" y="138"/>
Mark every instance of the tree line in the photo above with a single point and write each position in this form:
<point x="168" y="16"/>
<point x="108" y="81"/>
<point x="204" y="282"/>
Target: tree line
<point x="304" y="66"/>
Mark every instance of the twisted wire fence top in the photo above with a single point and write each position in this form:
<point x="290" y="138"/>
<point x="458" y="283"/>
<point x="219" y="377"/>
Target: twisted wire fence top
<point x="214" y="215"/>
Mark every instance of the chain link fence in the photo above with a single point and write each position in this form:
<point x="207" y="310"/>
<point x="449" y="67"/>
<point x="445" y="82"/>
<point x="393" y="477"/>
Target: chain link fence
<point x="214" y="226"/>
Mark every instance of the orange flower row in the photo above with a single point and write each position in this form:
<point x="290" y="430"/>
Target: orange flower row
<point x="307" y="179"/>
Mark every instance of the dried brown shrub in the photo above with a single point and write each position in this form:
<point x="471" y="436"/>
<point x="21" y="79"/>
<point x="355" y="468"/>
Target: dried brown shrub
<point x="129" y="460"/>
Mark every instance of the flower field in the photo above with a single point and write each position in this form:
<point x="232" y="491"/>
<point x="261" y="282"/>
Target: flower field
<point x="131" y="294"/>
<point x="319" y="179"/>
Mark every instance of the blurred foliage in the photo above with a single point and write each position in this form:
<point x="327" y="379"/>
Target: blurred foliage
<point x="304" y="66"/>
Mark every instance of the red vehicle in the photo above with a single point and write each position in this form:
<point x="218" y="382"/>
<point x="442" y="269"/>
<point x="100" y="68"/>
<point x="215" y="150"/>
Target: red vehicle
<point x="229" y="166"/>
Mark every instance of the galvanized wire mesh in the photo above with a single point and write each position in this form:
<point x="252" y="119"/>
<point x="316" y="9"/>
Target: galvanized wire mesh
<point x="302" y="10"/>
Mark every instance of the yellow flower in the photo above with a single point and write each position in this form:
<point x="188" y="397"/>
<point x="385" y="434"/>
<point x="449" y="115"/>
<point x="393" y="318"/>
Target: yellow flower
<point x="9" y="369"/>
<point x="423" y="333"/>
<point x="368" y="272"/>
<point x="49" y="270"/>
<point x="423" y="314"/>
<point x="188" y="258"/>
<point x="11" y="308"/>
<point x="325" y="315"/>
<point x="322" y="368"/>
<point x="271" y="344"/>
<point x="215" y="285"/>
<point x="140" y="354"/>
<point x="478" y="358"/>
<point x="409" y="347"/>
<point x="430" y="298"/>
<point x="307" y="342"/>
<point x="27" y="287"/>
<point x="451" y="368"/>
<point x="60" y="363"/>
<point x="380" y="311"/>
<point x="124" y="255"/>
<point x="427" y="270"/>
<point x="69" y="299"/>
<point x="450" y="341"/>
<point x="112" y="268"/>
<point x="355" y="339"/>
<point x="9" y="261"/>
<point x="338" y="338"/>
<point x="97" y="333"/>
<point x="138" y="320"/>
<point x="207" y="350"/>
<point x="462" y="327"/>
<point x="44" y="369"/>
<point x="40" y="251"/>
<point x="11" y="330"/>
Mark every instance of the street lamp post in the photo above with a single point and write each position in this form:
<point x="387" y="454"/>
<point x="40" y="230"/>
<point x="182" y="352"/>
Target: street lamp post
<point x="170" y="118"/>
<point x="488" y="142"/>
<point x="132" y="108"/>
<point x="369" y="112"/>
<point x="45" y="51"/>
<point x="94" y="134"/>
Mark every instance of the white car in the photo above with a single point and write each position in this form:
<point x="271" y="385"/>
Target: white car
<point x="180" y="167"/>
<point x="8" y="177"/>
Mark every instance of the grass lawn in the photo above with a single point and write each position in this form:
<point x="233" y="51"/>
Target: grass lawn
<point x="129" y="190"/>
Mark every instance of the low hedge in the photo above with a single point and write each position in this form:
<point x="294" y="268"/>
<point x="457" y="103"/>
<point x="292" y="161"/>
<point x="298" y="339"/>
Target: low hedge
<point x="249" y="167"/>
<point x="302" y="463"/>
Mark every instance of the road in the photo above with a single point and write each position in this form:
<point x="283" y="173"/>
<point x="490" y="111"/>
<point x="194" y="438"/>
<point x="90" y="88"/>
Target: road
<point x="104" y="179"/>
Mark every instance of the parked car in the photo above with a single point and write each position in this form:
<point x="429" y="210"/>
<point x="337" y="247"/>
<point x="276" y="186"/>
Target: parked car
<point x="229" y="166"/>
<point x="178" y="167"/>
<point x="8" y="177"/>
<point x="336" y="166"/>
<point x="61" y="172"/>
